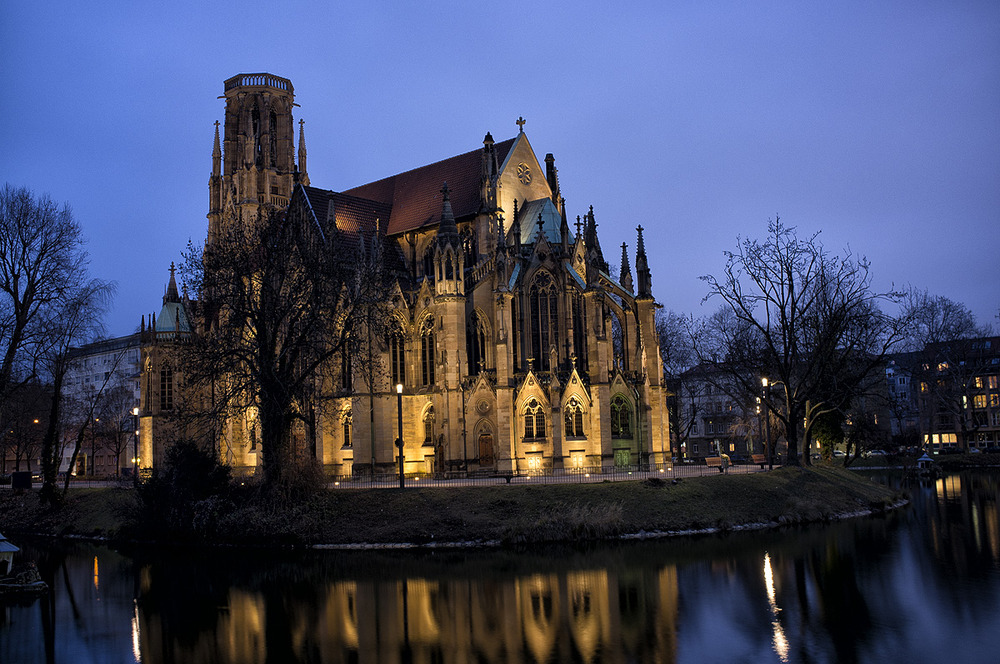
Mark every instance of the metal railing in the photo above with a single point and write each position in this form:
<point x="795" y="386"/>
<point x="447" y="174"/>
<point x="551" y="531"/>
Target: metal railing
<point x="586" y="475"/>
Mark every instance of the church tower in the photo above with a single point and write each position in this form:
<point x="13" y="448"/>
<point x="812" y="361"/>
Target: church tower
<point x="254" y="168"/>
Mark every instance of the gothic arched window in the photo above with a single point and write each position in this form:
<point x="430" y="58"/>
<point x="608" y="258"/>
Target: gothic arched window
<point x="534" y="420"/>
<point x="573" y="414"/>
<point x="397" y="356"/>
<point x="542" y="301"/>
<point x="475" y="342"/>
<point x="346" y="423"/>
<point x="427" y="351"/>
<point x="579" y="332"/>
<point x="429" y="426"/>
<point x="621" y="417"/>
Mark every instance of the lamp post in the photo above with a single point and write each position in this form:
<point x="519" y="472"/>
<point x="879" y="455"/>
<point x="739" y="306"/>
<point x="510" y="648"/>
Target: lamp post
<point x="135" y="446"/>
<point x="767" y="422"/>
<point x="399" y="421"/>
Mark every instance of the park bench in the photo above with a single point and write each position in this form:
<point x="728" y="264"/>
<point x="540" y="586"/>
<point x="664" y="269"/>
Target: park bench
<point x="758" y="460"/>
<point x="714" y="462"/>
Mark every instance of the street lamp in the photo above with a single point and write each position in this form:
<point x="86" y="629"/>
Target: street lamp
<point x="135" y="446"/>
<point x="399" y="419"/>
<point x="767" y="422"/>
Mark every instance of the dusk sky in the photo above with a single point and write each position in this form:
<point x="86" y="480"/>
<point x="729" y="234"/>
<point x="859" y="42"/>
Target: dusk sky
<point x="877" y="123"/>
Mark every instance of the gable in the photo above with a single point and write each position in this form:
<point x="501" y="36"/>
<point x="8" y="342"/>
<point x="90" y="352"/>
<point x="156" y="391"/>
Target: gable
<point x="512" y="182"/>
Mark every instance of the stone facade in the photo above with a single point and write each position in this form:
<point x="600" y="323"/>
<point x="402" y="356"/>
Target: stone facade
<point x="516" y="348"/>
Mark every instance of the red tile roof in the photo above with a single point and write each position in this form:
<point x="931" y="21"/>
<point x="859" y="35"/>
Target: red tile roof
<point x="415" y="196"/>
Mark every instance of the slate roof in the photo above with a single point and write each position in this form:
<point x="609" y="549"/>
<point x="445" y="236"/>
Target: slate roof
<point x="355" y="217"/>
<point x="415" y="196"/>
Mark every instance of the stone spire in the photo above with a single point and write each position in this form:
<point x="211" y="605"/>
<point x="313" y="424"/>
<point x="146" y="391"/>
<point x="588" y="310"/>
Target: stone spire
<point x="489" y="174"/>
<point x="172" y="295"/>
<point x="642" y="268"/>
<point x="447" y="230"/>
<point x="552" y="176"/>
<point x="515" y="231"/>
<point x="216" y="154"/>
<point x="626" y="274"/>
<point x="303" y="174"/>
<point x="563" y="227"/>
<point x="593" y="245"/>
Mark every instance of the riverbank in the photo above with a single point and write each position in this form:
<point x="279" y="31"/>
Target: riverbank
<point x="493" y="515"/>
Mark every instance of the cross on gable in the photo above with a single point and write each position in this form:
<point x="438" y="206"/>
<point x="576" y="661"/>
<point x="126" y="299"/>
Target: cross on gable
<point x="578" y="223"/>
<point x="520" y="123"/>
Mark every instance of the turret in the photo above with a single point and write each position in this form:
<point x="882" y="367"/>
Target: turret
<point x="642" y="268"/>
<point x="303" y="174"/>
<point x="626" y="272"/>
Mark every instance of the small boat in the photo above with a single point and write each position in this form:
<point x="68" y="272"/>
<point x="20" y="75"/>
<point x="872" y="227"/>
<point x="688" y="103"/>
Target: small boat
<point x="17" y="579"/>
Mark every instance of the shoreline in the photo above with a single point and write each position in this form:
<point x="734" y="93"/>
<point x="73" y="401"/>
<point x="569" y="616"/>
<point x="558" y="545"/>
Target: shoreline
<point x="468" y="517"/>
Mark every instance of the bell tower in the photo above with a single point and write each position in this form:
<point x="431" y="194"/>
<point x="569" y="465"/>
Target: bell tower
<point x="254" y="168"/>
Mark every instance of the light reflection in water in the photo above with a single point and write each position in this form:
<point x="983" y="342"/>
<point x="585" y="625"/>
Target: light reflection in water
<point x="136" y="652"/>
<point x="778" y="639"/>
<point x="921" y="585"/>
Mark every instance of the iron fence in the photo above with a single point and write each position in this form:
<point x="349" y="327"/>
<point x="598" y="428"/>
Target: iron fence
<point x="586" y="475"/>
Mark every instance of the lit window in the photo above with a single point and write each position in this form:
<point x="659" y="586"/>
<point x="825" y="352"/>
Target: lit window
<point x="995" y="400"/>
<point x="979" y="401"/>
<point x="942" y="366"/>
<point x="534" y="420"/>
<point x="992" y="382"/>
<point x="978" y="382"/>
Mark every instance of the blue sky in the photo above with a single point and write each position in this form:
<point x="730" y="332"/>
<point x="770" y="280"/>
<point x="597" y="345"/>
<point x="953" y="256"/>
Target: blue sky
<point x="875" y="123"/>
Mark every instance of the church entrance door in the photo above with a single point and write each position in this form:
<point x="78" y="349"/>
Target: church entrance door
<point x="486" y="454"/>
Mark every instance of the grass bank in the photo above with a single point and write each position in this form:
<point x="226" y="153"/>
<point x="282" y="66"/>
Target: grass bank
<point x="495" y="514"/>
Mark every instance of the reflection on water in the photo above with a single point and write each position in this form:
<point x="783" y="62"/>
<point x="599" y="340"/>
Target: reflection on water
<point x="920" y="585"/>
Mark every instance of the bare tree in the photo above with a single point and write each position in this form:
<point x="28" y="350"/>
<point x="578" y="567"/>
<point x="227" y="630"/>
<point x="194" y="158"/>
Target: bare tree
<point x="47" y="303"/>
<point x="41" y="256"/>
<point x="677" y="354"/>
<point x="75" y="319"/>
<point x="808" y="321"/>
<point x="283" y="297"/>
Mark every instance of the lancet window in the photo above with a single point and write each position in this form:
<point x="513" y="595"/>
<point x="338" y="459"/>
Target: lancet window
<point x="543" y="303"/>
<point x="397" y="356"/>
<point x="346" y="424"/>
<point x="621" y="417"/>
<point x="573" y="415"/>
<point x="427" y="351"/>
<point x="579" y="332"/>
<point x="475" y="341"/>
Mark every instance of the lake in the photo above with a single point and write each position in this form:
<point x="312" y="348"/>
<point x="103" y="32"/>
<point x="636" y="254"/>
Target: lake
<point x="919" y="585"/>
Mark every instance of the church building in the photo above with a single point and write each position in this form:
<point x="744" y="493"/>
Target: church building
<point x="515" y="348"/>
